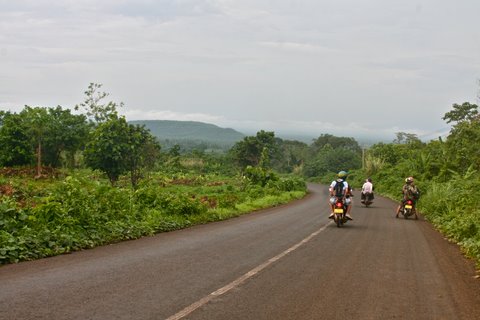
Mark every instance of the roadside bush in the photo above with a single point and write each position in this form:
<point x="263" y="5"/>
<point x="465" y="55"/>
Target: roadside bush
<point x="259" y="175"/>
<point x="288" y="184"/>
<point x="453" y="208"/>
<point x="40" y="219"/>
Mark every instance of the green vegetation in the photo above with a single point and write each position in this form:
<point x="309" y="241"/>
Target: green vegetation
<point x="73" y="181"/>
<point x="99" y="179"/>
<point x="44" y="218"/>
<point x="447" y="173"/>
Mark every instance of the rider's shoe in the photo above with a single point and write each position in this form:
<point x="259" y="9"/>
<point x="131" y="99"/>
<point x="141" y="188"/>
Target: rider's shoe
<point x="331" y="216"/>
<point x="348" y="216"/>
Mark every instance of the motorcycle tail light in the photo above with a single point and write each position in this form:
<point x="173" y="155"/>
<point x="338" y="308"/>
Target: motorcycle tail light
<point x="339" y="204"/>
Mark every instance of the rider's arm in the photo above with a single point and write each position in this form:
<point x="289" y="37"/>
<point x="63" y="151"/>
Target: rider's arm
<point x="404" y="192"/>
<point x="346" y="189"/>
<point x="331" y="188"/>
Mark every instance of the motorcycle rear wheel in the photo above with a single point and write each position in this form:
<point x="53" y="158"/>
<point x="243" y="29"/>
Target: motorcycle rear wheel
<point x="339" y="221"/>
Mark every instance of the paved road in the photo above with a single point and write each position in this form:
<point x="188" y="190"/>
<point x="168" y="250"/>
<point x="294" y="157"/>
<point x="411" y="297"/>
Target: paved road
<point x="284" y="263"/>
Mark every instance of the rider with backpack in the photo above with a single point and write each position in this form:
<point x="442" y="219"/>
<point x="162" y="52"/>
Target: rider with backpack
<point x="339" y="188"/>
<point x="410" y="192"/>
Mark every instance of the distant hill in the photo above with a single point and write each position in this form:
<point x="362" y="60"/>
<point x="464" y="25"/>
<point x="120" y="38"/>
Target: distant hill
<point x="191" y="131"/>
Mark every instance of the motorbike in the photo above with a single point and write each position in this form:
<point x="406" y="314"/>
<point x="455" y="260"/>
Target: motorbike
<point x="408" y="209"/>
<point x="367" y="198"/>
<point x="339" y="212"/>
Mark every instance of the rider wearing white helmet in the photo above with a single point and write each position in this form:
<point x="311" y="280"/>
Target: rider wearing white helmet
<point x="340" y="188"/>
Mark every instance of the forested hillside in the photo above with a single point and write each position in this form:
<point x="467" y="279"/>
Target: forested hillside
<point x="191" y="134"/>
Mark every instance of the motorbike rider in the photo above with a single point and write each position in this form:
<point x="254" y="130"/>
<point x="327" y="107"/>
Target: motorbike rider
<point x="367" y="188"/>
<point x="344" y="193"/>
<point x="410" y="192"/>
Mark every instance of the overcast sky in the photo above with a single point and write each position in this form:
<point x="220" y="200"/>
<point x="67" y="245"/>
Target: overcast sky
<point x="345" y="67"/>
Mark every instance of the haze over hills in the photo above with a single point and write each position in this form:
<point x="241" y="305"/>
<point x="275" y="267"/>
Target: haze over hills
<point x="194" y="133"/>
<point x="178" y="131"/>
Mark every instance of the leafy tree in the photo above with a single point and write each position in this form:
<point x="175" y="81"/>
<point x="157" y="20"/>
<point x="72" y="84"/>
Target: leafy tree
<point x="67" y="133"/>
<point x="107" y="148"/>
<point x="329" y="153"/>
<point x="292" y="155"/>
<point x="142" y="153"/>
<point x="117" y="148"/>
<point x="95" y="110"/>
<point x="16" y="148"/>
<point x="406" y="138"/>
<point x="463" y="144"/>
<point x="460" y="113"/>
<point x="386" y="152"/>
<point x="249" y="150"/>
<point x="330" y="159"/>
<point x="345" y="143"/>
<point x="38" y="122"/>
<point x="42" y="134"/>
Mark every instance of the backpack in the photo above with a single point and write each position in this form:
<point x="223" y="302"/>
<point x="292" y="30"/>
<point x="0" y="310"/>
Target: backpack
<point x="338" y="189"/>
<point x="413" y="192"/>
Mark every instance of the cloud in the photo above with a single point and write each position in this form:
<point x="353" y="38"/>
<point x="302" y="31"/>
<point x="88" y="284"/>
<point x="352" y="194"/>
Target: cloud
<point x="297" y="46"/>
<point x="171" y="115"/>
<point x="251" y="63"/>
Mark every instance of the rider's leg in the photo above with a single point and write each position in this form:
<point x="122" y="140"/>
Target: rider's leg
<point x="415" y="209"/>
<point x="400" y="207"/>
<point x="331" y="202"/>
<point x="398" y="210"/>
<point x="348" y="202"/>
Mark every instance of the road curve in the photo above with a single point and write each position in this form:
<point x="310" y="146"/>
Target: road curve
<point x="288" y="262"/>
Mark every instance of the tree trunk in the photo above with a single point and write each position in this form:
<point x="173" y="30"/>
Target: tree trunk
<point x="39" y="160"/>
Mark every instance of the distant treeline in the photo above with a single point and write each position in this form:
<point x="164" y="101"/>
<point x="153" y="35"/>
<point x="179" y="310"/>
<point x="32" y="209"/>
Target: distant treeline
<point x="191" y="134"/>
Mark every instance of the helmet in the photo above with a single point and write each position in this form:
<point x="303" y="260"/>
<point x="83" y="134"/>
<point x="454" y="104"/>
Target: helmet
<point x="409" y="180"/>
<point x="342" y="174"/>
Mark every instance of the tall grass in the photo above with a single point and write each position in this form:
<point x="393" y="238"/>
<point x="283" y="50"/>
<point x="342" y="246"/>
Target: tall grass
<point x="453" y="207"/>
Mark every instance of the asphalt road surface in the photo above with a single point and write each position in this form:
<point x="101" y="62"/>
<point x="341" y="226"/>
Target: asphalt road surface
<point x="289" y="262"/>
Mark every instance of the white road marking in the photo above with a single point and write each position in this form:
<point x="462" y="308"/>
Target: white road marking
<point x="238" y="281"/>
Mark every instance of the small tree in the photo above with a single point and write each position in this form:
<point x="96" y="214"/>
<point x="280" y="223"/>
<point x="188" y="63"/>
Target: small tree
<point x="143" y="152"/>
<point x="463" y="143"/>
<point x="67" y="134"/>
<point x="94" y="109"/>
<point x="117" y="148"/>
<point x="107" y="148"/>
<point x="38" y="122"/>
<point x="16" y="148"/>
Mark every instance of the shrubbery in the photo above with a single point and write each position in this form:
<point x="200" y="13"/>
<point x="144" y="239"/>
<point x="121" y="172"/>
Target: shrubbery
<point x="44" y="219"/>
<point x="446" y="171"/>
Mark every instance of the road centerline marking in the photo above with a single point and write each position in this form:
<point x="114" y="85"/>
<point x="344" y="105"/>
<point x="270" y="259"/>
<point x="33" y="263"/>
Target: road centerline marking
<point x="235" y="283"/>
